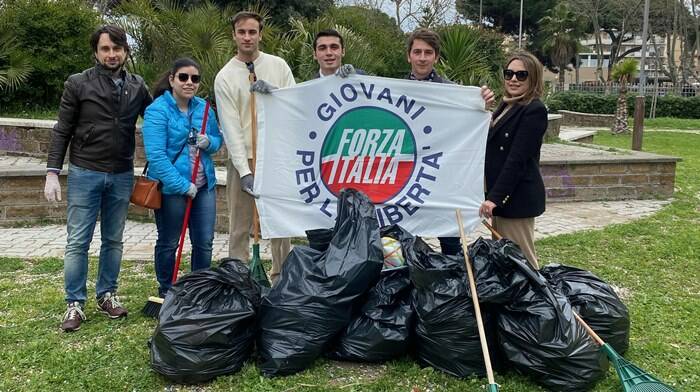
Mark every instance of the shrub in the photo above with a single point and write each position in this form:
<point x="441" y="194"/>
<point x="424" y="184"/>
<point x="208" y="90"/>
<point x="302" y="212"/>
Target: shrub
<point x="666" y="106"/>
<point x="54" y="35"/>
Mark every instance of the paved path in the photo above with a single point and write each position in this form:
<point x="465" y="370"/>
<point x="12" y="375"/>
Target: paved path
<point x="139" y="238"/>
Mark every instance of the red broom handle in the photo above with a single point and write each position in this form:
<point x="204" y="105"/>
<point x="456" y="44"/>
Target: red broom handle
<point x="185" y="221"/>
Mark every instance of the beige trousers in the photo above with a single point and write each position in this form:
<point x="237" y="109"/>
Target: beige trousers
<point x="522" y="232"/>
<point x="240" y="225"/>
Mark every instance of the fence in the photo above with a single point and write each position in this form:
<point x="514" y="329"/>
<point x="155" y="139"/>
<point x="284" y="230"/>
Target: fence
<point x="686" y="90"/>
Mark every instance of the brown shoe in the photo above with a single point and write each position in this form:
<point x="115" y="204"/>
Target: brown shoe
<point x="73" y="317"/>
<point x="109" y="305"/>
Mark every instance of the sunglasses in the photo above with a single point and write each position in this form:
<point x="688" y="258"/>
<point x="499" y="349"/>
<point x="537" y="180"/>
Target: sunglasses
<point x="520" y="75"/>
<point x="183" y="77"/>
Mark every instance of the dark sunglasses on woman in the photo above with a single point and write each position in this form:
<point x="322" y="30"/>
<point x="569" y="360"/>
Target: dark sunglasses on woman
<point x="183" y="77"/>
<point x="520" y="75"/>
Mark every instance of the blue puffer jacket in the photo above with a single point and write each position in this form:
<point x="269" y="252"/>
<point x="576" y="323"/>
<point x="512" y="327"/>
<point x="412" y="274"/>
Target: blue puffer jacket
<point x="165" y="130"/>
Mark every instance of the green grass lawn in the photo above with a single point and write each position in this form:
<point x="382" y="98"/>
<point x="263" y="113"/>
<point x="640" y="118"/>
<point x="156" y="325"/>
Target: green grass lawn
<point x="657" y="260"/>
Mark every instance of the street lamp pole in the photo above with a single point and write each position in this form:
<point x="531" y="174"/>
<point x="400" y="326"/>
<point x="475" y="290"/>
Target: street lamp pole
<point x="520" y="30"/>
<point x="638" y="130"/>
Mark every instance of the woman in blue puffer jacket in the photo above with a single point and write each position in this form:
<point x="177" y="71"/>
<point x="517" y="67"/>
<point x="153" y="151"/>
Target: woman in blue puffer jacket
<point x="171" y="137"/>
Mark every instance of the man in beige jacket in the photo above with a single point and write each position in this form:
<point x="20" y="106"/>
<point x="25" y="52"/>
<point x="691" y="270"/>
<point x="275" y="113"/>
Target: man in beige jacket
<point x="233" y="104"/>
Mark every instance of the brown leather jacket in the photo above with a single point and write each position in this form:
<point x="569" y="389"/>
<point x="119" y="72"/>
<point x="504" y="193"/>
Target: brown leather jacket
<point x="98" y="122"/>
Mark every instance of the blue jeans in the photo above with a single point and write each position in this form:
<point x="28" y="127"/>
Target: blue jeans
<point x="169" y="219"/>
<point x="91" y="193"/>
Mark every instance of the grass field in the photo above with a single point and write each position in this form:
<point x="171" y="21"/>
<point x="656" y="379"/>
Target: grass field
<point x="656" y="260"/>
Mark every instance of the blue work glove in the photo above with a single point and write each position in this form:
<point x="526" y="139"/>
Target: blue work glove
<point x="192" y="191"/>
<point x="345" y="70"/>
<point x="202" y="142"/>
<point x="262" y="87"/>
<point x="247" y="185"/>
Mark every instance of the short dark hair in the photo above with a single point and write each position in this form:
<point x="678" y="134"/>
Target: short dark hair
<point x="116" y="34"/>
<point x="243" y="15"/>
<point x="328" y="33"/>
<point x="430" y="37"/>
<point x="163" y="84"/>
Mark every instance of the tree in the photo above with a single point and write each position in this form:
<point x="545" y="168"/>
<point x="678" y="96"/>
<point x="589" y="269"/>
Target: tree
<point x="559" y="35"/>
<point x="505" y="14"/>
<point x="53" y="36"/>
<point x="280" y="12"/>
<point x="623" y="72"/>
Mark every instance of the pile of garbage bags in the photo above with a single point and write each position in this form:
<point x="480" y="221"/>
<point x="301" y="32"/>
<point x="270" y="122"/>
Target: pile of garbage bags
<point x="365" y="294"/>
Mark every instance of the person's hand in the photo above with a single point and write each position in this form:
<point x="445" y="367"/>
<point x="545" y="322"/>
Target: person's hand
<point x="345" y="70"/>
<point x="262" y="87"/>
<point x="247" y="185"/>
<point x="192" y="191"/>
<point x="488" y="96"/>
<point x="486" y="209"/>
<point x="52" y="188"/>
<point x="202" y="142"/>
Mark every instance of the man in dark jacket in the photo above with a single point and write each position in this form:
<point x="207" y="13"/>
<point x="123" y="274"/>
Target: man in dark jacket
<point x="97" y="118"/>
<point x="423" y="52"/>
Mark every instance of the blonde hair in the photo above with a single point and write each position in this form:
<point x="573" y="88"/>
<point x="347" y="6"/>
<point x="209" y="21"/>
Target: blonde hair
<point x="533" y="66"/>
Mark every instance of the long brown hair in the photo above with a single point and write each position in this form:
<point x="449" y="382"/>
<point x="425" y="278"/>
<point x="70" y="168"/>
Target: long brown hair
<point x="535" y="74"/>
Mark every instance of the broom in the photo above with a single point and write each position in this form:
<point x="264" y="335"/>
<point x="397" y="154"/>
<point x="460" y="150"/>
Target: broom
<point x="633" y="378"/>
<point x="492" y="387"/>
<point x="153" y="305"/>
<point x="256" y="268"/>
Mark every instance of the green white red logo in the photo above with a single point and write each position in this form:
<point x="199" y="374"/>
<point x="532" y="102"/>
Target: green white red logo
<point x="369" y="149"/>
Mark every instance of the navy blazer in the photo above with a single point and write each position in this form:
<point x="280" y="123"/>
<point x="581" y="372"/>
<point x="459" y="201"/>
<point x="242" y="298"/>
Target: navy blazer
<point x="513" y="179"/>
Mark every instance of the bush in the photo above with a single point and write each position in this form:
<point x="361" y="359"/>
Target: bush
<point x="55" y="36"/>
<point x="666" y="106"/>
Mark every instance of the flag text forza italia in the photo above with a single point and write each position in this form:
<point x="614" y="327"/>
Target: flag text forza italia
<point x="366" y="143"/>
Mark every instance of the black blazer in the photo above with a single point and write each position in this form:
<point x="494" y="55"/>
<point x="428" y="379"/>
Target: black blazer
<point x="513" y="179"/>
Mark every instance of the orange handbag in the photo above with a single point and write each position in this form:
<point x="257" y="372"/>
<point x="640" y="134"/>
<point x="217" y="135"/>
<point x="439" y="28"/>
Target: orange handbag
<point x="146" y="192"/>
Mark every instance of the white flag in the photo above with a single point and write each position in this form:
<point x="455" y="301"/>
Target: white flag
<point x="415" y="148"/>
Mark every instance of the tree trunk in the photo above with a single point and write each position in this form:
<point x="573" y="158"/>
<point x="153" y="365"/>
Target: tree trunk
<point x="561" y="77"/>
<point x="620" y="125"/>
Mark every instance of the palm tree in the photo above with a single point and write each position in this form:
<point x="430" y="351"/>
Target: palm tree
<point x="15" y="66"/>
<point x="559" y="35"/>
<point x="471" y="56"/>
<point x="623" y="72"/>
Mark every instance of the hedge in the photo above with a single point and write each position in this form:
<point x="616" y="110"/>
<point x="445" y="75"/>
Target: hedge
<point x="666" y="106"/>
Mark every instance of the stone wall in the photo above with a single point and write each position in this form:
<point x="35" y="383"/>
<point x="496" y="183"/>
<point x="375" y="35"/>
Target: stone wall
<point x="22" y="201"/>
<point x="32" y="137"/>
<point x="608" y="181"/>
<point x="576" y="119"/>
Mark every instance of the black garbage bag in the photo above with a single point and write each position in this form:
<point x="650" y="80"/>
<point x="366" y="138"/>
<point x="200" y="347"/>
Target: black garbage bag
<point x="319" y="239"/>
<point x="382" y="330"/>
<point x="446" y="333"/>
<point x="207" y="324"/>
<point x="314" y="297"/>
<point x="537" y="330"/>
<point x="595" y="301"/>
<point x="497" y="283"/>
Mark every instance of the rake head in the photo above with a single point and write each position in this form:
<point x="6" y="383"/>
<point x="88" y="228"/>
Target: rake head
<point x="633" y="378"/>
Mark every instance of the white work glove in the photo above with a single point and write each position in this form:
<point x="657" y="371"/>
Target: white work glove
<point x="345" y="70"/>
<point x="202" y="142"/>
<point x="262" y="87"/>
<point x="52" y="188"/>
<point x="192" y="191"/>
<point x="247" y="185"/>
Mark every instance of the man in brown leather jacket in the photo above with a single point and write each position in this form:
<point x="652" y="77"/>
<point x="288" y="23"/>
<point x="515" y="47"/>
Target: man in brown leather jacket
<point x="97" y="119"/>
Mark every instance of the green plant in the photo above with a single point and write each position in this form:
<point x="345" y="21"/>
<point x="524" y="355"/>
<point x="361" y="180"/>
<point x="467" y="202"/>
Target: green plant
<point x="471" y="56"/>
<point x="558" y="36"/>
<point x="52" y="36"/>
<point x="666" y="106"/>
<point x="15" y="66"/>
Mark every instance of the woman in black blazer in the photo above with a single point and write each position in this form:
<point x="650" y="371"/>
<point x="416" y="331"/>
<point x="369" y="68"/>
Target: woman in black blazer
<point x="515" y="192"/>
